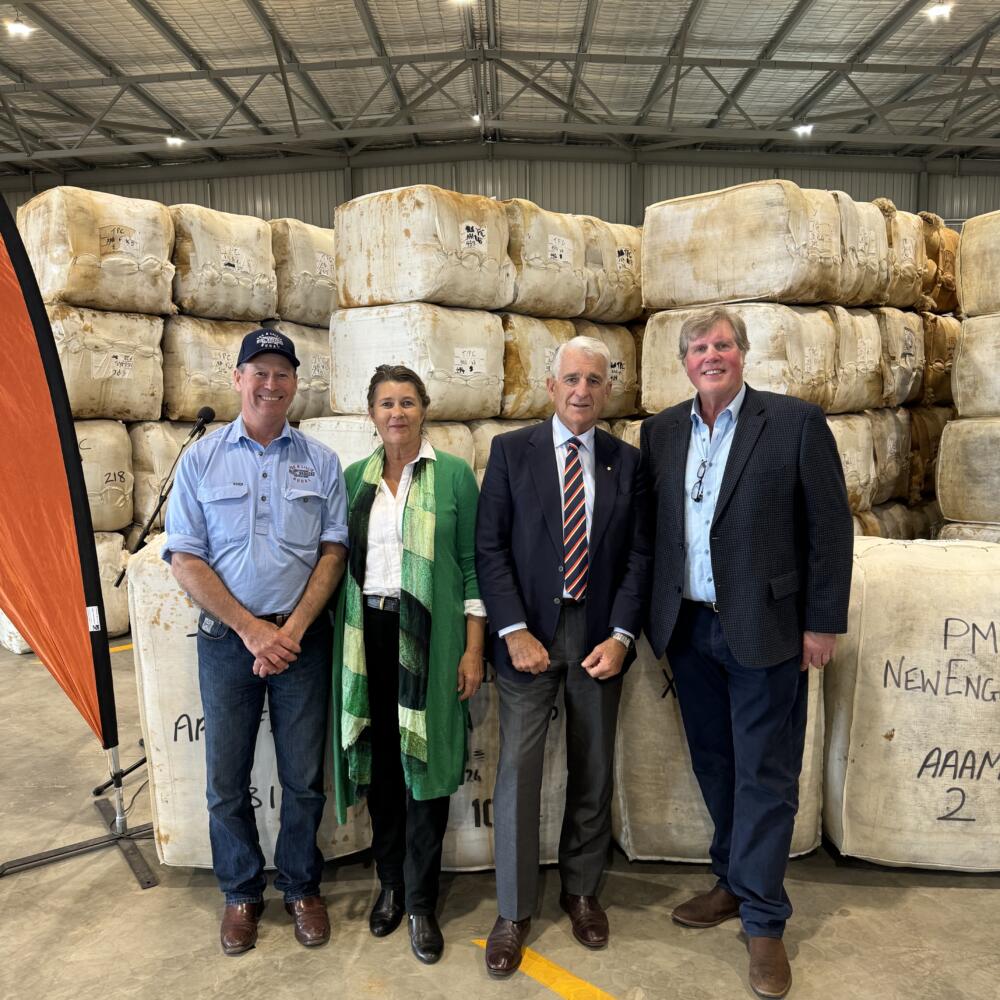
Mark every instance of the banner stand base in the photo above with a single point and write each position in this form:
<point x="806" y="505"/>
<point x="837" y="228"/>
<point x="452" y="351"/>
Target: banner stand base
<point x="125" y="842"/>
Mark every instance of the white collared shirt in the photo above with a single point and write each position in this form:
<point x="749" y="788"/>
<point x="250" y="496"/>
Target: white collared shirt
<point x="384" y="560"/>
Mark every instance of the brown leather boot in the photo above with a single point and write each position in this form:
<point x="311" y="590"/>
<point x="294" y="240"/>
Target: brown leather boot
<point x="312" y="923"/>
<point x="239" y="927"/>
<point x="505" y="946"/>
<point x="770" y="973"/>
<point x="708" y="909"/>
<point x="590" y="922"/>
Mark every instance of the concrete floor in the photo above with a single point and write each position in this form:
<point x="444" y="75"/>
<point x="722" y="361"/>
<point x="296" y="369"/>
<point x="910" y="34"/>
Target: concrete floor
<point x="83" y="929"/>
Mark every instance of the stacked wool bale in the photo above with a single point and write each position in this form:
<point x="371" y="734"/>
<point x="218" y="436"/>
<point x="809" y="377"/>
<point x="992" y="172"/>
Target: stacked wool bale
<point x="799" y="265"/>
<point x="967" y="481"/>
<point x="103" y="267"/>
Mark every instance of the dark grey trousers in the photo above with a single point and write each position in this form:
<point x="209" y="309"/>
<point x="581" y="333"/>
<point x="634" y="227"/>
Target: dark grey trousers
<point x="591" y="717"/>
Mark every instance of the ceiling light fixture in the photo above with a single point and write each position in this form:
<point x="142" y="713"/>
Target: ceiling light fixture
<point x="938" y="11"/>
<point x="17" y="28"/>
<point x="476" y="118"/>
<point x="175" y="140"/>
<point x="803" y="130"/>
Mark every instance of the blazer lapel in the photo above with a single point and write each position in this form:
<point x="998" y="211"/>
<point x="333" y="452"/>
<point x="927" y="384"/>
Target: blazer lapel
<point x="545" y="473"/>
<point x="748" y="428"/>
<point x="606" y="473"/>
<point x="678" y="440"/>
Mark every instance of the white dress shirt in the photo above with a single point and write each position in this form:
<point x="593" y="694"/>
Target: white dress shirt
<point x="384" y="561"/>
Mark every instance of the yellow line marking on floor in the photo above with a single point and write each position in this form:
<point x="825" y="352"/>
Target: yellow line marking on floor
<point x="121" y="649"/>
<point x="555" y="977"/>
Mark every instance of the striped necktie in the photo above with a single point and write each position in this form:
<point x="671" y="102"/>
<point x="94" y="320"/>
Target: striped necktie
<point x="575" y="559"/>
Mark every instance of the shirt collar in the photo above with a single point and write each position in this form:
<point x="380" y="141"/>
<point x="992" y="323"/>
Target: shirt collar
<point x="560" y="434"/>
<point x="733" y="409"/>
<point x="237" y="429"/>
<point x="426" y="451"/>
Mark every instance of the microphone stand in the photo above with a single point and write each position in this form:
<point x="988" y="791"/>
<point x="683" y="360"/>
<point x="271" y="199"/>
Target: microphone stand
<point x="168" y="484"/>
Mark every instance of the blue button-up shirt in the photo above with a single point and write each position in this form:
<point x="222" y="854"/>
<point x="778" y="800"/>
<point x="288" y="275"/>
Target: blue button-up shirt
<point x="711" y="447"/>
<point x="257" y="515"/>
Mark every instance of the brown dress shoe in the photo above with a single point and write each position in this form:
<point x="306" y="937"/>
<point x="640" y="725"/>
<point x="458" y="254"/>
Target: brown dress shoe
<point x="590" y="922"/>
<point x="504" y="946"/>
<point x="312" y="923"/>
<point x="770" y="973"/>
<point x="709" y="909"/>
<point x="239" y="927"/>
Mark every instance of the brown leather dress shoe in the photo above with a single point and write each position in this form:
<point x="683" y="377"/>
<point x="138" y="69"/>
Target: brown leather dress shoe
<point x="505" y="946"/>
<point x="239" y="927"/>
<point x="709" y="909"/>
<point x="590" y="922"/>
<point x="770" y="973"/>
<point x="312" y="923"/>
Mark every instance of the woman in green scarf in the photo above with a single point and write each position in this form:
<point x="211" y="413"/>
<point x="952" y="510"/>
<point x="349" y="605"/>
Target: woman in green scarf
<point x="408" y="651"/>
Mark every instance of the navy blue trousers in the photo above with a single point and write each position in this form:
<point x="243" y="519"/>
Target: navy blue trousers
<point x="746" y="731"/>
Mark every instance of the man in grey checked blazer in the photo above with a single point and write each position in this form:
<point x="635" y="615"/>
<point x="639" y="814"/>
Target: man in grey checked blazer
<point x="752" y="563"/>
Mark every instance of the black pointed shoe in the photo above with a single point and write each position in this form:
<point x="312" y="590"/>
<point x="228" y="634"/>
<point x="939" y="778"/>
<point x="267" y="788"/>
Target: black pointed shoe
<point x="426" y="939"/>
<point x="387" y="913"/>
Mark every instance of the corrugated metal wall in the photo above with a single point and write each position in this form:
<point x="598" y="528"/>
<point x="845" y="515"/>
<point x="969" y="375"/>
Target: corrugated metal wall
<point x="613" y="191"/>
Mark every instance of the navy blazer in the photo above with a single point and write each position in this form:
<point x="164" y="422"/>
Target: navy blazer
<point x="519" y="548"/>
<point x="782" y="539"/>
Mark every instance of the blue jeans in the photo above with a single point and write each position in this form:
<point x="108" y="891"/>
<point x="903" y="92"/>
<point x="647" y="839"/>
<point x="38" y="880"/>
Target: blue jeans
<point x="746" y="729"/>
<point x="233" y="702"/>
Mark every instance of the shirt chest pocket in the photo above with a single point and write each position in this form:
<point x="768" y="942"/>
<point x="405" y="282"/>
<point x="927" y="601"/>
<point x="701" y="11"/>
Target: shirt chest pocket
<point x="301" y="517"/>
<point x="226" y="509"/>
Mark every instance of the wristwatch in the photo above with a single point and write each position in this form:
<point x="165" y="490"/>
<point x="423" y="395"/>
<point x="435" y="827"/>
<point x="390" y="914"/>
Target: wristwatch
<point x="623" y="638"/>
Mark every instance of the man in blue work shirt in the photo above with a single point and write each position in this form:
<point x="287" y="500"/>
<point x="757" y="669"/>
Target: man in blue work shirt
<point x="257" y="536"/>
<point x="752" y="563"/>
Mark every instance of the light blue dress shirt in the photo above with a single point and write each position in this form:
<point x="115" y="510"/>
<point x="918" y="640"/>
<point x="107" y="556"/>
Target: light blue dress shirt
<point x="712" y="448"/>
<point x="257" y="515"/>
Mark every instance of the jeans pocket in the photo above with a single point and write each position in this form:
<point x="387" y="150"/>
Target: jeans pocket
<point x="212" y="628"/>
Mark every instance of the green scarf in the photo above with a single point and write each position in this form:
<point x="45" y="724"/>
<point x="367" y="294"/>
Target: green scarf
<point x="415" y="601"/>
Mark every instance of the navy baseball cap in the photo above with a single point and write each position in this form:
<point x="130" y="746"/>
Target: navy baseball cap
<point x="266" y="341"/>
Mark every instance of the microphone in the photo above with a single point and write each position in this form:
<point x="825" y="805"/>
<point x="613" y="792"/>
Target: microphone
<point x="205" y="416"/>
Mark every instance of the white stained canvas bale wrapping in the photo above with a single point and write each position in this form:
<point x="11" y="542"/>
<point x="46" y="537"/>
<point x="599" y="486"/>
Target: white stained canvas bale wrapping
<point x="894" y="520"/>
<point x="902" y="355"/>
<point x="768" y="240"/>
<point x="423" y="244"/>
<point x="941" y="335"/>
<point x="907" y="255"/>
<point x="657" y="811"/>
<point x="793" y="351"/>
<point x="106" y="456"/>
<point x="627" y="430"/>
<point x="956" y="530"/>
<point x="100" y="250"/>
<point x="225" y="267"/>
<point x="624" y="373"/>
<point x="547" y="251"/>
<point x="978" y="265"/>
<point x="199" y="357"/>
<point x="468" y="841"/>
<point x="312" y="348"/>
<point x="457" y="352"/>
<point x="354" y="438"/>
<point x="529" y="346"/>
<point x="111" y="559"/>
<point x="911" y="705"/>
<point x="852" y="433"/>
<point x="155" y="445"/>
<point x="926" y="426"/>
<point x="483" y="433"/>
<point x="111" y="362"/>
<point x="614" y="271"/>
<point x="164" y="623"/>
<point x="891" y="440"/>
<point x="858" y="360"/>
<point x="864" y="276"/>
<point x="10" y="638"/>
<point x="968" y="474"/>
<point x="975" y="375"/>
<point x="304" y="271"/>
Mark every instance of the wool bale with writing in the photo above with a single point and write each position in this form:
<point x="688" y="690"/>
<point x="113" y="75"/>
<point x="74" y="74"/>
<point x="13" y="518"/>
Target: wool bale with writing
<point x="957" y="530"/>
<point x="852" y="433"/>
<point x="975" y="374"/>
<point x="926" y="426"/>
<point x="106" y="456"/>
<point x="902" y="355"/>
<point x="312" y="348"/>
<point x="614" y="270"/>
<point x="912" y="765"/>
<point x="891" y="440"/>
<point x="483" y="433"/>
<point x="858" y="384"/>
<point x="941" y="335"/>
<point x="304" y="272"/>
<point x="623" y="372"/>
<point x="907" y="255"/>
<point x="529" y="348"/>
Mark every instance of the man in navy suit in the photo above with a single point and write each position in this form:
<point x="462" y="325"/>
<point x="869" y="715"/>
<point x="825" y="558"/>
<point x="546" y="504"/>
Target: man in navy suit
<point x="752" y="562"/>
<point x="562" y="560"/>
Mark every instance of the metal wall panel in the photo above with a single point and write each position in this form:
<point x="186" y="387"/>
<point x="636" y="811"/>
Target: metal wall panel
<point x="600" y="189"/>
<point x="15" y="199"/>
<point x="310" y="197"/>
<point x="500" y="179"/>
<point x="960" y="198"/>
<point x="179" y="192"/>
<point x="861" y="185"/>
<point x="369" y="179"/>
<point x="662" y="182"/>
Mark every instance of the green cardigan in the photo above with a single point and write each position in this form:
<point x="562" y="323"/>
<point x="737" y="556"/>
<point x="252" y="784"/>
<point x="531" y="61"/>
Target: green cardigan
<point x="456" y="497"/>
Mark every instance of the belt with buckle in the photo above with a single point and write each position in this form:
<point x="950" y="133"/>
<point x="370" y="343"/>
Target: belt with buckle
<point x="711" y="605"/>
<point x="381" y="603"/>
<point x="278" y="618"/>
